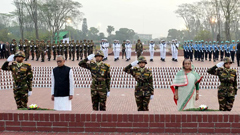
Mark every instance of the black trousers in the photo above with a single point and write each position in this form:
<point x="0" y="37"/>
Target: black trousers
<point x="190" y="55"/>
<point x="206" y="54"/>
<point x="222" y="54"/>
<point x="210" y="55"/>
<point x="232" y="55"/>
<point x="238" y="57"/>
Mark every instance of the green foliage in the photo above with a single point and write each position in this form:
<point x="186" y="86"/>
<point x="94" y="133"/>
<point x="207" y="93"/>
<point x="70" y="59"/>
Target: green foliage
<point x="203" y="35"/>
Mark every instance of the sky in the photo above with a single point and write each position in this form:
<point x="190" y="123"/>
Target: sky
<point x="154" y="17"/>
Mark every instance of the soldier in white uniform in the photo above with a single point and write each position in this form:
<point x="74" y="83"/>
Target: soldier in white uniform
<point x="151" y="49"/>
<point x="176" y="50"/>
<point x="114" y="46"/>
<point x="162" y="47"/>
<point x="128" y="50"/>
<point x="102" y="47"/>
<point x="118" y="49"/>
<point x="106" y="50"/>
<point x="172" y="50"/>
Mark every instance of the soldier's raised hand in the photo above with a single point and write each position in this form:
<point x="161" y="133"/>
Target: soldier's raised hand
<point x="91" y="56"/>
<point x="134" y="63"/>
<point x="220" y="64"/>
<point x="10" y="58"/>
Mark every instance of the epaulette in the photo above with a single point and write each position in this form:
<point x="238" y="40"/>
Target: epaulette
<point x="107" y="64"/>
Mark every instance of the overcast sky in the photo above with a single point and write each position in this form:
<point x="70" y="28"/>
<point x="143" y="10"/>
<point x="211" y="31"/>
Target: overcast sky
<point x="144" y="16"/>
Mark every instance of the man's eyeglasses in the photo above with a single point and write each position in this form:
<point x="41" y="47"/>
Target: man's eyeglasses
<point x="59" y="61"/>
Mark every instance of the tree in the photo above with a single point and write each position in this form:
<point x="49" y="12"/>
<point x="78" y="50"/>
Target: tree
<point x="229" y="8"/>
<point x="110" y="29"/>
<point x="84" y="28"/>
<point x="92" y="33"/>
<point x="203" y="35"/>
<point x="57" y="12"/>
<point x="32" y="8"/>
<point x="20" y="15"/>
<point x="124" y="34"/>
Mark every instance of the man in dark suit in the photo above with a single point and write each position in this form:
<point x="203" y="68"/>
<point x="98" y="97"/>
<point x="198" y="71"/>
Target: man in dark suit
<point x="7" y="48"/>
<point x="238" y="53"/>
<point x="2" y="50"/>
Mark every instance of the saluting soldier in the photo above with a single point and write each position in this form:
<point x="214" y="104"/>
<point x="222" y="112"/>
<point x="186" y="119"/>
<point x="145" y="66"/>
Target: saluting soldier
<point x="228" y="87"/>
<point x="100" y="87"/>
<point x="139" y="48"/>
<point x="49" y="50"/>
<point x="13" y="46"/>
<point x="77" y="46"/>
<point x="144" y="90"/>
<point x="22" y="76"/>
<point x="54" y="48"/>
<point x="32" y="49"/>
<point x="81" y="48"/>
<point x="73" y="49"/>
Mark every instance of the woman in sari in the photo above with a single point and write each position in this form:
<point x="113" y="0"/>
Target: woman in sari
<point x="185" y="86"/>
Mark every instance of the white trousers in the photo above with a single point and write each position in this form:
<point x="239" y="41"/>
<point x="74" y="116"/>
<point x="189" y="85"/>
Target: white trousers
<point x="151" y="54"/>
<point x="163" y="54"/>
<point x="129" y="54"/>
<point x="62" y="104"/>
<point x="175" y="55"/>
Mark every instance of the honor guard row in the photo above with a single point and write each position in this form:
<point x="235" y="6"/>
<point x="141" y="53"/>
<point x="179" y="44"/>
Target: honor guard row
<point x="210" y="50"/>
<point x="40" y="48"/>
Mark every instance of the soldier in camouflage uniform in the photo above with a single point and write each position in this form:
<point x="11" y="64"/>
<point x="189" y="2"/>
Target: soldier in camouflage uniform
<point x="22" y="76"/>
<point x="228" y="87"/>
<point x="26" y="49"/>
<point x="54" y="48"/>
<point x="91" y="47"/>
<point x="13" y="46"/>
<point x="32" y="49"/>
<point x="61" y="47"/>
<point x="144" y="90"/>
<point x="139" y="48"/>
<point x="49" y="50"/>
<point x="77" y="47"/>
<point x="65" y="49"/>
<point x="42" y="50"/>
<point x="85" y="48"/>
<point x="81" y="48"/>
<point x="69" y="49"/>
<point x="58" y="48"/>
<point x="100" y="87"/>
<point x="73" y="49"/>
<point x="36" y="49"/>
<point x="123" y="49"/>
<point x="20" y="45"/>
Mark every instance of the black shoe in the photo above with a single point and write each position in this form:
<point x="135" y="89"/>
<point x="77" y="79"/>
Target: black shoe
<point x="115" y="59"/>
<point x="176" y="60"/>
<point x="73" y="60"/>
<point x="172" y="59"/>
<point x="209" y="60"/>
<point x="163" y="60"/>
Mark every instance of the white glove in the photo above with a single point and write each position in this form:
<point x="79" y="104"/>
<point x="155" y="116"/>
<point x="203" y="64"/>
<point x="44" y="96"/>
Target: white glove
<point x="91" y="56"/>
<point x="135" y="52"/>
<point x="29" y="93"/>
<point x="151" y="97"/>
<point x="220" y="64"/>
<point x="10" y="58"/>
<point x="108" y="94"/>
<point x="134" y="63"/>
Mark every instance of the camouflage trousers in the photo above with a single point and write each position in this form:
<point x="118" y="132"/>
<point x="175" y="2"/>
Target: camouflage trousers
<point x="99" y="99"/>
<point x="226" y="98"/>
<point x="142" y="102"/>
<point x="139" y="53"/>
<point x="21" y="98"/>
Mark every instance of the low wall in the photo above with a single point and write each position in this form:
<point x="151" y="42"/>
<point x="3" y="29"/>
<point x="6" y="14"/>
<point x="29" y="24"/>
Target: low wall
<point x="137" y="122"/>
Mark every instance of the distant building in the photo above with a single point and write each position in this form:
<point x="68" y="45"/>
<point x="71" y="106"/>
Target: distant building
<point x="145" y="36"/>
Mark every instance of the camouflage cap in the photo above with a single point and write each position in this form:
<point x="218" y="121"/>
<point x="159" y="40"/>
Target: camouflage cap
<point x="142" y="59"/>
<point x="227" y="60"/>
<point x="20" y="54"/>
<point x="13" y="40"/>
<point x="99" y="53"/>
